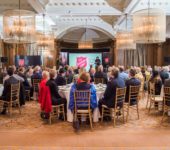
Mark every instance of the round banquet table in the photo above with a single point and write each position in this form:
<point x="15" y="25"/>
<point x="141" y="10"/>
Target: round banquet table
<point x="64" y="92"/>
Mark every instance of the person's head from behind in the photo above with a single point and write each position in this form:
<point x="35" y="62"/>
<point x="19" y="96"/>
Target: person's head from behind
<point x="37" y="69"/>
<point x="92" y="70"/>
<point x="100" y="68"/>
<point x="14" y="68"/>
<point x="81" y="70"/>
<point x="10" y="71"/>
<point x="155" y="73"/>
<point x="132" y="72"/>
<point x="70" y="70"/>
<point x="62" y="71"/>
<point x="85" y="77"/>
<point x="121" y="68"/>
<point x="53" y="74"/>
<point x="45" y="75"/>
<point x="143" y="69"/>
<point x="115" y="72"/>
<point x="21" y="69"/>
<point x="138" y="70"/>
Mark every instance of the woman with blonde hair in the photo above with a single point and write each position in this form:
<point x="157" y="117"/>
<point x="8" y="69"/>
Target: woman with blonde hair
<point x="100" y="74"/>
<point x="44" y="96"/>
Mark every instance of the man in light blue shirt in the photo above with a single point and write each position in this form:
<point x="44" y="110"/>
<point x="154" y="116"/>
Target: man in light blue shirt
<point x="123" y="75"/>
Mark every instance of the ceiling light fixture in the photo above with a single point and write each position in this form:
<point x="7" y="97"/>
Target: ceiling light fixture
<point x="19" y="26"/>
<point x="86" y="44"/>
<point x="124" y="39"/>
<point x="149" y="25"/>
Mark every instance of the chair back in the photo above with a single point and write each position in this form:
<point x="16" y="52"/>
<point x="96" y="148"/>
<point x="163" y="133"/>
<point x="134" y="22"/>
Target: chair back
<point x="134" y="93"/>
<point x="152" y="89"/>
<point x="120" y="97"/>
<point x="98" y="80"/>
<point x="36" y="84"/>
<point x="167" y="96"/>
<point x="82" y="99"/>
<point x="15" y="90"/>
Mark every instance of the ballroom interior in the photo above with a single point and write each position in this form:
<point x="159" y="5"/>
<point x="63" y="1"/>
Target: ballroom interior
<point x="66" y="36"/>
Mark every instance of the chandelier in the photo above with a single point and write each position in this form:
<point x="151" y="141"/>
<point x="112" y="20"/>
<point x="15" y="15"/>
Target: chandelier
<point x="19" y="26"/>
<point x="86" y="44"/>
<point x="45" y="40"/>
<point x="149" y="25"/>
<point x="124" y="39"/>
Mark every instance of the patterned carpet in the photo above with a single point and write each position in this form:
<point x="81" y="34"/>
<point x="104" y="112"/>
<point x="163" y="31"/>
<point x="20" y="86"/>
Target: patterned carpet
<point x="30" y="119"/>
<point x="30" y="123"/>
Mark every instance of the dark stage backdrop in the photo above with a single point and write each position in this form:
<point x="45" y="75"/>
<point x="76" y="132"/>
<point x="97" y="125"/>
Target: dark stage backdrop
<point x="28" y="60"/>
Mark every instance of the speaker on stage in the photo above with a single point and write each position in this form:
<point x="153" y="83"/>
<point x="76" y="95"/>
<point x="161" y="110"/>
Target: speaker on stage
<point x="4" y="59"/>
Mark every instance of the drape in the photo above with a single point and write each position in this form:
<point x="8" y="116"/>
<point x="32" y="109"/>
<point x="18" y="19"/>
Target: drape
<point x="133" y="57"/>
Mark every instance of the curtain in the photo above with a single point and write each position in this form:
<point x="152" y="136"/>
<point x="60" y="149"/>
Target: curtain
<point x="135" y="57"/>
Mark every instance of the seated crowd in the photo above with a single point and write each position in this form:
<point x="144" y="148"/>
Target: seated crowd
<point x="113" y="77"/>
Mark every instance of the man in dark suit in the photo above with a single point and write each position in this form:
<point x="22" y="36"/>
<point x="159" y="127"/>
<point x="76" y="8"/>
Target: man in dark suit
<point x="131" y="82"/>
<point x="60" y="80"/>
<point x="110" y="92"/>
<point x="55" y="97"/>
<point x="21" y="74"/>
<point x="7" y="87"/>
<point x="167" y="84"/>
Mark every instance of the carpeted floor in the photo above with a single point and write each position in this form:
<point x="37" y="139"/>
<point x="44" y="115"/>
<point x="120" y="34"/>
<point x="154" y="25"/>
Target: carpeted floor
<point x="28" y="131"/>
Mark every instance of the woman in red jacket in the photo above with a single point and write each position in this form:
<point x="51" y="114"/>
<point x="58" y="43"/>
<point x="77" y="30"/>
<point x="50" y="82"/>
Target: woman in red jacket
<point x="45" y="96"/>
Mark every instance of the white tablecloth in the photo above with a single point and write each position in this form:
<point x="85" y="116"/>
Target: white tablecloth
<point x="1" y="89"/>
<point x="65" y="93"/>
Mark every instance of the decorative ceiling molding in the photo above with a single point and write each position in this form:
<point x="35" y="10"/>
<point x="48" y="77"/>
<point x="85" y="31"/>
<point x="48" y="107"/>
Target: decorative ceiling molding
<point x="38" y="7"/>
<point x="109" y="19"/>
<point x="118" y="4"/>
<point x="14" y="4"/>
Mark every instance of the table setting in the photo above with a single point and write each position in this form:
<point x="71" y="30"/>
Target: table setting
<point x="64" y="92"/>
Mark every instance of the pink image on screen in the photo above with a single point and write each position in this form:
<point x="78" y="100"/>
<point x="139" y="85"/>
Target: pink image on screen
<point x="21" y="62"/>
<point x="81" y="62"/>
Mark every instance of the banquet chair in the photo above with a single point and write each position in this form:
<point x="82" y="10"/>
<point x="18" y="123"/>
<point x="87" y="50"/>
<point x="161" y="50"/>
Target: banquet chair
<point x="98" y="80"/>
<point x="141" y="91"/>
<point x="166" y="105"/>
<point x="14" y="99"/>
<point x="56" y="111"/>
<point x="134" y="92"/>
<point x="36" y="88"/>
<point x="118" y="109"/>
<point x="148" y="96"/>
<point x="82" y="105"/>
<point x="152" y="97"/>
<point x="27" y="95"/>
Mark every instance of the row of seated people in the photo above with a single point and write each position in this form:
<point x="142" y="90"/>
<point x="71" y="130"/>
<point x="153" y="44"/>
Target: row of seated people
<point x="49" y="94"/>
<point x="83" y="83"/>
<point x="115" y="81"/>
<point x="10" y="79"/>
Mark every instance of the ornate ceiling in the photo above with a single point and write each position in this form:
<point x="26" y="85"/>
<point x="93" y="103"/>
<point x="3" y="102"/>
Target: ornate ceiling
<point x="102" y="17"/>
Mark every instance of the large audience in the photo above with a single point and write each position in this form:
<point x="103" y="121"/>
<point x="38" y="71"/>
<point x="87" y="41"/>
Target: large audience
<point x="80" y="79"/>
